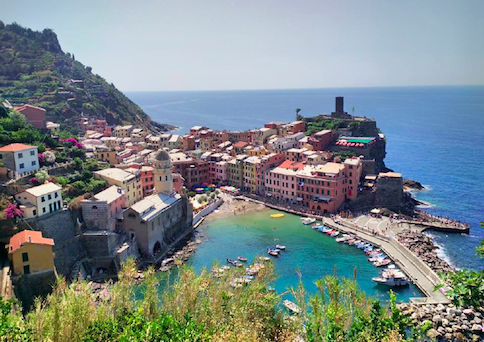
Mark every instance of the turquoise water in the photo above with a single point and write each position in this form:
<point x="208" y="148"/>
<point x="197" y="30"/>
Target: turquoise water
<point x="314" y="254"/>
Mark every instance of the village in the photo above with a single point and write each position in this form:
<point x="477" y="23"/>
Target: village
<point x="141" y="193"/>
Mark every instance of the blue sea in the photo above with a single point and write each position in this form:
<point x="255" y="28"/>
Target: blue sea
<point x="435" y="135"/>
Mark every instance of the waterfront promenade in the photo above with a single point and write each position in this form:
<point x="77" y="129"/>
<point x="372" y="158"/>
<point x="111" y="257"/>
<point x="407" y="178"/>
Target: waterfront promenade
<point x="419" y="272"/>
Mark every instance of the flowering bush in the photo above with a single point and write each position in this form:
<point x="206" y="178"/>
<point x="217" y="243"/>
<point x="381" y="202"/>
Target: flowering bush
<point x="41" y="159"/>
<point x="11" y="211"/>
<point x="72" y="142"/>
<point x="49" y="157"/>
<point x="34" y="180"/>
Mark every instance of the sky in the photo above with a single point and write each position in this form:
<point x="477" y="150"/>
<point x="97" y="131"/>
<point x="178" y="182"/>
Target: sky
<point x="149" y="45"/>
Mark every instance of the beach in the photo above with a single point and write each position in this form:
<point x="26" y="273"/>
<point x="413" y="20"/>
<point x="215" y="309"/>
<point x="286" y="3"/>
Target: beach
<point x="234" y="207"/>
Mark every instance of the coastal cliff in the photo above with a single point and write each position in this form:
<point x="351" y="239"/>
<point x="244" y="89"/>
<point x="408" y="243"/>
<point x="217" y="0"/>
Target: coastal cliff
<point x="35" y="70"/>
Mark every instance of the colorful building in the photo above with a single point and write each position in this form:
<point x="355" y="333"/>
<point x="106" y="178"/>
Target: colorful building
<point x="281" y="182"/>
<point x="103" y="209"/>
<point x="20" y="158"/>
<point x="131" y="184"/>
<point x="34" y="115"/>
<point x="40" y="200"/>
<point x="29" y="252"/>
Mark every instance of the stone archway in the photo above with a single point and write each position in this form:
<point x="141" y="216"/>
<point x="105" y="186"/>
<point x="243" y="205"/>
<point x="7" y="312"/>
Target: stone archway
<point x="157" y="248"/>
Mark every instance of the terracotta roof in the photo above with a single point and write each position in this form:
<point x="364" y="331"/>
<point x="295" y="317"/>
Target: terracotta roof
<point x="28" y="236"/>
<point x="15" y="147"/>
<point x="27" y="106"/>
<point x="241" y="144"/>
<point x="288" y="164"/>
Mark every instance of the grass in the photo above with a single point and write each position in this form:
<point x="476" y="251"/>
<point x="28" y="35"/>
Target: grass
<point x="199" y="307"/>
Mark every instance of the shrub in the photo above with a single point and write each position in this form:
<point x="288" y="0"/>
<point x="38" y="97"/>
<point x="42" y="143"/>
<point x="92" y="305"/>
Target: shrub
<point x="12" y="211"/>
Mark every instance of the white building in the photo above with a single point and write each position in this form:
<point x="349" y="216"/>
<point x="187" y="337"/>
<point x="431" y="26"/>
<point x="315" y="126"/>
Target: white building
<point x="40" y="200"/>
<point x="20" y="158"/>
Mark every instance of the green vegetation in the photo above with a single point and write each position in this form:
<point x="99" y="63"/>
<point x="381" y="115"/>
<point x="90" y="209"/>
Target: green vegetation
<point x="343" y="155"/>
<point x="466" y="286"/>
<point x="35" y="70"/>
<point x="201" y="308"/>
<point x="316" y="126"/>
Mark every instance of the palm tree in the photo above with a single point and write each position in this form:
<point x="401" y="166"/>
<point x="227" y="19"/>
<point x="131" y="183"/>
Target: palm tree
<point x="297" y="113"/>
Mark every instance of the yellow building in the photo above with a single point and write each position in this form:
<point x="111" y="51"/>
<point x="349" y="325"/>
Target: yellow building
<point x="30" y="252"/>
<point x="250" y="173"/>
<point x="131" y="184"/>
<point x="108" y="156"/>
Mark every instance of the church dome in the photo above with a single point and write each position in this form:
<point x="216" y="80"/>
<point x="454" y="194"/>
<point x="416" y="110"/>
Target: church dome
<point x="162" y="156"/>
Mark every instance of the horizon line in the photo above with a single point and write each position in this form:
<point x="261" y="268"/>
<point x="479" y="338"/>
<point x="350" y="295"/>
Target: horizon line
<point x="307" y="88"/>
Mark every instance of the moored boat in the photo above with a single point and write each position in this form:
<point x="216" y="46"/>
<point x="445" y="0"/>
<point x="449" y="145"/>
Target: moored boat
<point x="291" y="306"/>
<point x="241" y="258"/>
<point x="308" y="220"/>
<point x="394" y="278"/>
<point x="382" y="262"/>
<point x="281" y="247"/>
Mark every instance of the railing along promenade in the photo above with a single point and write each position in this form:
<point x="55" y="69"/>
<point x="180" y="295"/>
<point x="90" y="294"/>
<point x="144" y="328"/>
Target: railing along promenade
<point x="419" y="272"/>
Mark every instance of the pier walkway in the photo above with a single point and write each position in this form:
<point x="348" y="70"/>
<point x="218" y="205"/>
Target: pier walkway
<point x="419" y="272"/>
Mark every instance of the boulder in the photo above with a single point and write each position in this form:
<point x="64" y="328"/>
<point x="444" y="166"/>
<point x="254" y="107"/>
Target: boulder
<point x="437" y="320"/>
<point x="432" y="333"/>
<point x="445" y="322"/>
<point x="476" y="328"/>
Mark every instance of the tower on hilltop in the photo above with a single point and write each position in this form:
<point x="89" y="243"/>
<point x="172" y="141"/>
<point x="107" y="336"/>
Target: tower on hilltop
<point x="339" y="112"/>
<point x="163" y="173"/>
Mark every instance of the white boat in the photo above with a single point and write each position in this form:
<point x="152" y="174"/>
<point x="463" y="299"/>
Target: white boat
<point x="308" y="220"/>
<point x="281" y="247"/>
<point x="334" y="234"/>
<point x="292" y="307"/>
<point x="393" y="278"/>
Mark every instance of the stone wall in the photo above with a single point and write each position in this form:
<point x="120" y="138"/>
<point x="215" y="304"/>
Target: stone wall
<point x="29" y="286"/>
<point x="389" y="193"/>
<point x="61" y="227"/>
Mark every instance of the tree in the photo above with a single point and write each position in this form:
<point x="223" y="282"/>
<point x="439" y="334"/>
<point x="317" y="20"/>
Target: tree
<point x="298" y="117"/>
<point x="77" y="163"/>
<point x="41" y="176"/>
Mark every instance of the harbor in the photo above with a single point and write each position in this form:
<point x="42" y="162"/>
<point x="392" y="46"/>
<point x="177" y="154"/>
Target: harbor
<point x="307" y="251"/>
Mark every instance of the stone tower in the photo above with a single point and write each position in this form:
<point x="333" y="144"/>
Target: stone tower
<point x="163" y="173"/>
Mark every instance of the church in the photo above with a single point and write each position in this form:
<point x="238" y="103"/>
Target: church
<point x="161" y="219"/>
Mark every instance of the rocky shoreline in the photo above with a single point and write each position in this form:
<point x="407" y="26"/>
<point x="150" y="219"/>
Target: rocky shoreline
<point x="448" y="323"/>
<point x="423" y="247"/>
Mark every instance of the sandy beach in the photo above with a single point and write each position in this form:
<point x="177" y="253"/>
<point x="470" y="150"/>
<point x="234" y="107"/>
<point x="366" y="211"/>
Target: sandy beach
<point x="234" y="207"/>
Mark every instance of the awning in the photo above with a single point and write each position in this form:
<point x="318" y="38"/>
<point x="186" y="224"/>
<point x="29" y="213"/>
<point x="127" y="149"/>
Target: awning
<point x="299" y="198"/>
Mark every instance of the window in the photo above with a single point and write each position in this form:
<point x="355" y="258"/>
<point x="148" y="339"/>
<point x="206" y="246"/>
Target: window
<point x="21" y="165"/>
<point x="25" y="257"/>
<point x="49" y="196"/>
<point x="34" y="162"/>
<point x="32" y="153"/>
<point x="34" y="212"/>
<point x="43" y="199"/>
<point x="56" y="195"/>
<point x="43" y="210"/>
<point x="20" y="155"/>
<point x="1" y="156"/>
<point x="26" y="269"/>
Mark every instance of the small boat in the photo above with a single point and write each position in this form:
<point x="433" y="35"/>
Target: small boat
<point x="382" y="262"/>
<point x="167" y="261"/>
<point x="281" y="247"/>
<point x="308" y="220"/>
<point x="329" y="232"/>
<point x="377" y="257"/>
<point x="394" y="278"/>
<point x="291" y="306"/>
<point x="317" y="226"/>
<point x="263" y="258"/>
<point x="334" y="234"/>
<point x="276" y="215"/>
<point x="241" y="258"/>
<point x="273" y="253"/>
<point x="234" y="262"/>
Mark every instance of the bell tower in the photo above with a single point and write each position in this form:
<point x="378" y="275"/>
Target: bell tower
<point x="163" y="173"/>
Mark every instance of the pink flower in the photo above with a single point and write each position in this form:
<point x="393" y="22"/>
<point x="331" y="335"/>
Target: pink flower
<point x="11" y="211"/>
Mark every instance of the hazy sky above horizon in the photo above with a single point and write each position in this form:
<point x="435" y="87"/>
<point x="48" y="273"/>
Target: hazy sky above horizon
<point x="266" y="44"/>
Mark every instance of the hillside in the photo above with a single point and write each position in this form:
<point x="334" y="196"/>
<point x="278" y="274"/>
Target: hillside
<point x="35" y="70"/>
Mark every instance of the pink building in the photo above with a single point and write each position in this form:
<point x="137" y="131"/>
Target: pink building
<point x="34" y="115"/>
<point x="266" y="162"/>
<point x="178" y="183"/>
<point x="218" y="172"/>
<point x="103" y="209"/>
<point x="281" y="182"/>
